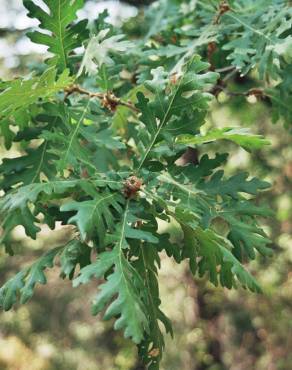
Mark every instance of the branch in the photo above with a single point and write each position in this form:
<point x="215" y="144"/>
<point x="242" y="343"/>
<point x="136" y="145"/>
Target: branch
<point x="224" y="7"/>
<point x="225" y="69"/>
<point x="259" y="93"/>
<point x="108" y="99"/>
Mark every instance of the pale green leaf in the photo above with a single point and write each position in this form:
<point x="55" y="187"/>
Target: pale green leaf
<point x="240" y="136"/>
<point x="21" y="93"/>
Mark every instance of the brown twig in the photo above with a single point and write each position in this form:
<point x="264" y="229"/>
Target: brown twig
<point x="224" y="7"/>
<point x="108" y="99"/>
<point x="257" y="92"/>
<point x="211" y="49"/>
<point x="221" y="82"/>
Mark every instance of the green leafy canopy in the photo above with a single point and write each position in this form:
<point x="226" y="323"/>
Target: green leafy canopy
<point x="117" y="139"/>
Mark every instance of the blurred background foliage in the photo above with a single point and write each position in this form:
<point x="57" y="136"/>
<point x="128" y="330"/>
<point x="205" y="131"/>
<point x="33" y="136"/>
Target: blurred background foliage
<point x="216" y="329"/>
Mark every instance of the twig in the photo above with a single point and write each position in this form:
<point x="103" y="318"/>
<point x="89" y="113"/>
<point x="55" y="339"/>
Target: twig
<point x="251" y="92"/>
<point x="225" y="69"/>
<point x="211" y="48"/>
<point x="229" y="75"/>
<point x="109" y="100"/>
<point x="222" y="82"/>
<point x="224" y="7"/>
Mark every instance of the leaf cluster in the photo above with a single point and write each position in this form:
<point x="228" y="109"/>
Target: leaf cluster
<point x="103" y="144"/>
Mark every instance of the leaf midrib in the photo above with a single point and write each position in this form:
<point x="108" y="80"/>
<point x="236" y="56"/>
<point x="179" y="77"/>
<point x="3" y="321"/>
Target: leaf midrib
<point x="75" y="132"/>
<point x="160" y="127"/>
<point x="61" y="36"/>
<point x="120" y="252"/>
